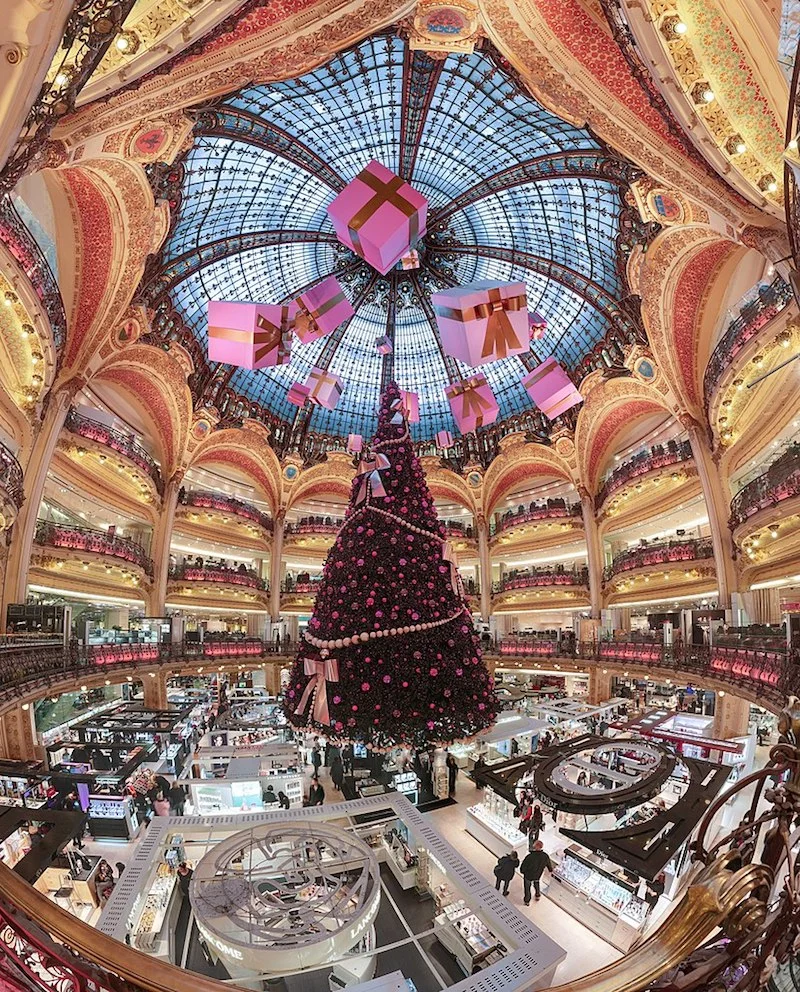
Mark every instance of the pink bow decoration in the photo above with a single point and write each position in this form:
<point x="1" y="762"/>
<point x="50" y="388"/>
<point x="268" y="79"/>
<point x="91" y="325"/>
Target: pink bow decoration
<point x="449" y="555"/>
<point x="369" y="470"/>
<point x="320" y="674"/>
<point x="397" y="416"/>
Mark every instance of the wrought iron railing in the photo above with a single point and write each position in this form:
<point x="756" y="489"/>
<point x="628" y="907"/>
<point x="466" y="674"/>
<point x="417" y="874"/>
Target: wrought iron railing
<point x="226" y="504"/>
<point x="666" y="553"/>
<point x="766" y="304"/>
<point x="217" y="574"/>
<point x="94" y="541"/>
<point x="123" y="444"/>
<point x="313" y="525"/>
<point x="658" y="457"/>
<point x="552" y="509"/>
<point x="23" y="246"/>
<point x="457" y="529"/>
<point x="11" y="478"/>
<point x="302" y="584"/>
<point x="780" y="482"/>
<point x="537" y="577"/>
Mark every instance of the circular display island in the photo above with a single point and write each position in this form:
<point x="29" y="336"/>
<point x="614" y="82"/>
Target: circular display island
<point x="282" y="897"/>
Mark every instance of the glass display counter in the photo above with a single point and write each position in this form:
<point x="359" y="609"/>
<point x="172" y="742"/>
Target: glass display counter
<point x="492" y="822"/>
<point x="400" y="858"/>
<point x="468" y="939"/>
<point x="153" y="911"/>
<point x="112" y="817"/>
<point x="600" y="899"/>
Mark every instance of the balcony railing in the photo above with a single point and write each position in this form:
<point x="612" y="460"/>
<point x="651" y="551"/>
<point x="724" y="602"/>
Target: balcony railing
<point x="217" y="574"/>
<point x="302" y="584"/>
<point x="768" y="302"/>
<point x="123" y="444"/>
<point x="552" y="509"/>
<point x="11" y="476"/>
<point x="538" y="577"/>
<point x="659" y="456"/>
<point x="456" y="529"/>
<point x="226" y="504"/>
<point x="780" y="482"/>
<point x="314" y="525"/>
<point x="666" y="553"/>
<point x="95" y="541"/>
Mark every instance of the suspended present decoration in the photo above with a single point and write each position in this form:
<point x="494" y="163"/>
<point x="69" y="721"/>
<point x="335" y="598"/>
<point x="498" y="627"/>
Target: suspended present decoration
<point x="410" y="406"/>
<point x="298" y="394"/>
<point x="355" y="443"/>
<point x="250" y="335"/>
<point x="321" y="310"/>
<point x="390" y="656"/>
<point x="379" y="216"/>
<point x="410" y="260"/>
<point x="324" y="388"/>
<point x="444" y="439"/>
<point x="384" y="345"/>
<point x="484" y="321"/>
<point x="551" y="389"/>
<point x="537" y="324"/>
<point x="472" y="403"/>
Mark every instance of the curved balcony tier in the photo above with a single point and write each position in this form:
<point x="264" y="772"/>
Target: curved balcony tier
<point x="311" y="537"/>
<point x="12" y="488"/>
<point x="216" y="586"/>
<point x="779" y="484"/>
<point x="101" y="439"/>
<point x="217" y="505"/>
<point x="217" y="575"/>
<point x="535" y="515"/>
<point x="80" y="541"/>
<point x="655" y="555"/>
<point x="540" y="588"/>
<point x="629" y="477"/>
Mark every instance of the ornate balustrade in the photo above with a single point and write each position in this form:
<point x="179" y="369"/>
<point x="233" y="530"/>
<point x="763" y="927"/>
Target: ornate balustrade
<point x="657" y="457"/>
<point x="553" y="509"/>
<point x="95" y="541"/>
<point x="123" y="444"/>
<point x="458" y="530"/>
<point x="780" y="482"/>
<point x="303" y="584"/>
<point x="217" y="574"/>
<point x="225" y="504"/>
<point x="668" y="552"/>
<point x="528" y="646"/>
<point x="768" y="302"/>
<point x="314" y="525"/>
<point x="11" y="479"/>
<point x="537" y="577"/>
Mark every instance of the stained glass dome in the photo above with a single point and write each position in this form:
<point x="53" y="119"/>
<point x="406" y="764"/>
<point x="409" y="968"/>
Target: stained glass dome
<point x="514" y="194"/>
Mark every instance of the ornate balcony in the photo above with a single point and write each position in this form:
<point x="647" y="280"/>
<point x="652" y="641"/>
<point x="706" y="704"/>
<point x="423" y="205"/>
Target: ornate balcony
<point x="754" y="314"/>
<point x="780" y="482"/>
<point x="458" y="531"/>
<point x="552" y="509"/>
<point x="303" y="585"/>
<point x="314" y="525"/>
<point x="220" y="503"/>
<point x="95" y="542"/>
<point x="537" y="578"/>
<point x="12" y="490"/>
<point x="218" y="575"/>
<point x="117" y="441"/>
<point x="642" y="464"/>
<point x="665" y="553"/>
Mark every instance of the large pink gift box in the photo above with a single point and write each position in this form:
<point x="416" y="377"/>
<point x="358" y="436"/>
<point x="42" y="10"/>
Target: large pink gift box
<point x="410" y="404"/>
<point x="321" y="310"/>
<point x="551" y="389"/>
<point x="379" y="216"/>
<point x="384" y="345"/>
<point x="472" y="402"/>
<point x="483" y="321"/>
<point x="444" y="439"/>
<point x="324" y="388"/>
<point x="250" y="335"/>
<point x="538" y="325"/>
<point x="298" y="394"/>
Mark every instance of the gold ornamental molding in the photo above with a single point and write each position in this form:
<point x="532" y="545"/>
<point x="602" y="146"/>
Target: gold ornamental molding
<point x="637" y="499"/>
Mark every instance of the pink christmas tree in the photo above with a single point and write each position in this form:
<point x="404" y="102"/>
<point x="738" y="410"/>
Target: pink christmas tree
<point x="391" y="656"/>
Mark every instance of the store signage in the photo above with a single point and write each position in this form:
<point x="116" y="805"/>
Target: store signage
<point x="223" y="948"/>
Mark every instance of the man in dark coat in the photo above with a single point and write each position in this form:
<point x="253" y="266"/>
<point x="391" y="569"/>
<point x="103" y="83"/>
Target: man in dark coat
<point x="532" y="869"/>
<point x="504" y="871"/>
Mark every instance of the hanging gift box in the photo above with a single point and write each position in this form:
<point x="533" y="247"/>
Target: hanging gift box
<point x="250" y="335"/>
<point x="384" y="345"/>
<point x="298" y="394"/>
<point x="321" y="310"/>
<point x="484" y="321"/>
<point x="410" y="260"/>
<point x="444" y="439"/>
<point x="325" y="388"/>
<point x="379" y="216"/>
<point x="472" y="403"/>
<point x="410" y="406"/>
<point x="355" y="443"/>
<point x="537" y="324"/>
<point x="551" y="389"/>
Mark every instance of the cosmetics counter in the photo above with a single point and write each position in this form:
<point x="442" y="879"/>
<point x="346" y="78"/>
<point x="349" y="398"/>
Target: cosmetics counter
<point x="492" y="822"/>
<point x="512" y="734"/>
<point x="155" y="913"/>
<point x="468" y="939"/>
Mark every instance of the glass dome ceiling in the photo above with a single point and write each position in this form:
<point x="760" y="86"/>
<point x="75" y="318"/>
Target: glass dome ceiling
<point x="514" y="194"/>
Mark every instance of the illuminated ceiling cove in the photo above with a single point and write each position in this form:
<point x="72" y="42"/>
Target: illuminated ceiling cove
<point x="514" y="193"/>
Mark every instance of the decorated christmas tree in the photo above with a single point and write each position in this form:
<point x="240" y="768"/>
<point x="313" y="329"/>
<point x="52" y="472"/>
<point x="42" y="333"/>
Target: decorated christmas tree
<point x="391" y="656"/>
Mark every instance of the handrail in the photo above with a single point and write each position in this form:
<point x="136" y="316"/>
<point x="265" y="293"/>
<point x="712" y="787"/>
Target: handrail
<point x="309" y="585"/>
<point x="226" y="504"/>
<point x="664" y="553"/>
<point x="538" y="577"/>
<point x="455" y="528"/>
<point x="313" y="525"/>
<point x="11" y="477"/>
<point x="216" y="574"/>
<point x="552" y="509"/>
<point x="109" y="437"/>
<point x="643" y="462"/>
<point x="94" y="541"/>
<point x="780" y="482"/>
<point x="769" y="302"/>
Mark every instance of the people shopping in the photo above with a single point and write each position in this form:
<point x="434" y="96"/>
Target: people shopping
<point x="532" y="869"/>
<point x="504" y="871"/>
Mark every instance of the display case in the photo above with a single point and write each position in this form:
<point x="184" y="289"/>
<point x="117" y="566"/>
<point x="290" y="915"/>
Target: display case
<point x="400" y="858"/>
<point x="175" y="757"/>
<point x="112" y="817"/>
<point x="601" y="899"/>
<point x="492" y="822"/>
<point x="468" y="939"/>
<point x="408" y="784"/>
<point x="155" y="911"/>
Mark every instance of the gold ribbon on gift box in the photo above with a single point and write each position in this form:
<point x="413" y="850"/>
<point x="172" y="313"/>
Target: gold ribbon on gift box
<point x="316" y="379"/>
<point x="265" y="338"/>
<point x="475" y="405"/>
<point x="500" y="335"/>
<point x="307" y="319"/>
<point x="385" y="192"/>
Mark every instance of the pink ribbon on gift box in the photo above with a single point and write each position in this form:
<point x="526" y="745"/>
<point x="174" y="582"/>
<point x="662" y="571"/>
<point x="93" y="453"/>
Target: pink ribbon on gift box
<point x="369" y="471"/>
<point x="320" y="673"/>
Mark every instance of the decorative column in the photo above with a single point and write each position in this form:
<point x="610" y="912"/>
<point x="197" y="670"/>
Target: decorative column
<point x="731" y="716"/>
<point x="162" y="540"/>
<point x="155" y="691"/>
<point x="485" y="563"/>
<point x="17" y="738"/>
<point x="275" y="567"/>
<point x="599" y="686"/>
<point x="35" y="476"/>
<point x="718" y="506"/>
<point x="594" y="551"/>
